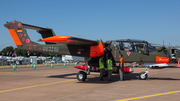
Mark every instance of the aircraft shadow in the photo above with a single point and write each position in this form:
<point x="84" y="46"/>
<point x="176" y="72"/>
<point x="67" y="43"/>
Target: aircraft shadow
<point x="64" y="76"/>
<point x="96" y="79"/>
<point x="115" y="78"/>
<point x="154" y="78"/>
<point x="163" y="67"/>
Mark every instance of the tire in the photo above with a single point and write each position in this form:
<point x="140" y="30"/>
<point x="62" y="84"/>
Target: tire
<point x="142" y="76"/>
<point x="81" y="76"/>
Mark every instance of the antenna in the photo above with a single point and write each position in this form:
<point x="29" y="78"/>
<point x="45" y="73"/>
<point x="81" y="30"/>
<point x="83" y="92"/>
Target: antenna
<point x="163" y="42"/>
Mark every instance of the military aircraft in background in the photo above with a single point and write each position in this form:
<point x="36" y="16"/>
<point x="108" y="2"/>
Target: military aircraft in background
<point x="171" y="51"/>
<point x="137" y="51"/>
<point x="174" y="53"/>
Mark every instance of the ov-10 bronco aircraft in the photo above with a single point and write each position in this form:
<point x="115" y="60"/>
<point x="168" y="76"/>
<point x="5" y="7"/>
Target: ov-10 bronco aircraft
<point x="137" y="51"/>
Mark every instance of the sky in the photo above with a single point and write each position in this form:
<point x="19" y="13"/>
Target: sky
<point x="152" y="20"/>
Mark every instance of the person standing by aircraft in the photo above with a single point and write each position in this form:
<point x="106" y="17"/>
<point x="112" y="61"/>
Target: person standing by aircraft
<point x="109" y="64"/>
<point x="101" y="67"/>
<point x="121" y="68"/>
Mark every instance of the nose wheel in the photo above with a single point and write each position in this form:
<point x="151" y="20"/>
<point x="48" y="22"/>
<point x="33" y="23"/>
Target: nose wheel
<point x="143" y="76"/>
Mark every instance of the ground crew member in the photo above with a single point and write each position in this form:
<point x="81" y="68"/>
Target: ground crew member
<point x="101" y="67"/>
<point x="109" y="64"/>
<point x="121" y="68"/>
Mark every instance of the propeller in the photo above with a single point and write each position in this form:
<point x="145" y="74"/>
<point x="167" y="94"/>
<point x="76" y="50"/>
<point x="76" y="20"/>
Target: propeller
<point x="107" y="49"/>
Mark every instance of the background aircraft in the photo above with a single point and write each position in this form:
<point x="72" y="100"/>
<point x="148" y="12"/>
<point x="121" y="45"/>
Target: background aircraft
<point x="138" y="50"/>
<point x="174" y="54"/>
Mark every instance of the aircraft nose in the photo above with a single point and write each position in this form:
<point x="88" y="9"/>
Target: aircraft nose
<point x="131" y="70"/>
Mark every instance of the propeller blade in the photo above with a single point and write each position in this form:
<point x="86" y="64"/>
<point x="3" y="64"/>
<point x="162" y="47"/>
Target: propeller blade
<point x="108" y="48"/>
<point x="103" y="44"/>
<point x="110" y="44"/>
<point x="105" y="50"/>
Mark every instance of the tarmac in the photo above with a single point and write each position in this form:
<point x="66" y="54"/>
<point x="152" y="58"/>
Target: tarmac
<point x="60" y="84"/>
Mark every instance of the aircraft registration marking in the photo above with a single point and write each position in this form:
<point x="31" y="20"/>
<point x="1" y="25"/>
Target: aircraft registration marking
<point x="50" y="49"/>
<point x="146" y="96"/>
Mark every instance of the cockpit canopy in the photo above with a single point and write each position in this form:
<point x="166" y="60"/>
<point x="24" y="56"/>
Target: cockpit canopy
<point x="138" y="46"/>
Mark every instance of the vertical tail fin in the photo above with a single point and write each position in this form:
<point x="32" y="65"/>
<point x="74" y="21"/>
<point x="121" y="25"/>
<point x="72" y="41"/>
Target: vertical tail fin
<point x="20" y="36"/>
<point x="18" y="33"/>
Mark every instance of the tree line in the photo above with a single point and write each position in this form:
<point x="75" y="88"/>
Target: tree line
<point x="11" y="51"/>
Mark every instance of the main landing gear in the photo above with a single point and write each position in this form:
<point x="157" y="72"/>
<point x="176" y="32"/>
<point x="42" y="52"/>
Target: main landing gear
<point x="81" y="76"/>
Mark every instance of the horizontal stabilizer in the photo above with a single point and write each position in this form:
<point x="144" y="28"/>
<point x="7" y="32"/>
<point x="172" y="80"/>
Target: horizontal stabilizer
<point x="45" y="32"/>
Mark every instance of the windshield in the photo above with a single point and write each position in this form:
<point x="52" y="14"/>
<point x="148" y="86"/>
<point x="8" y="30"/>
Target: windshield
<point x="133" y="46"/>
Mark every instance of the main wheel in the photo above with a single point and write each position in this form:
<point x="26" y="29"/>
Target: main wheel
<point x="143" y="76"/>
<point x="81" y="76"/>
